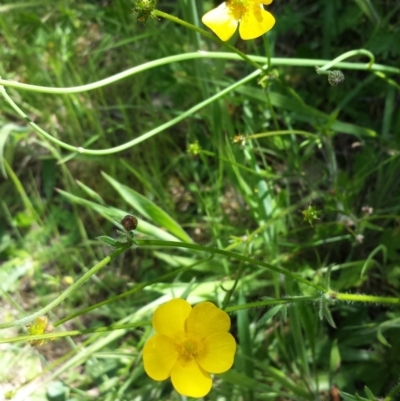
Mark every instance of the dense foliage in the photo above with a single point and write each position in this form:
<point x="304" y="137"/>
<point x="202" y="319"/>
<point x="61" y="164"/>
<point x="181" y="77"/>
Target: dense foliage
<point x="316" y="194"/>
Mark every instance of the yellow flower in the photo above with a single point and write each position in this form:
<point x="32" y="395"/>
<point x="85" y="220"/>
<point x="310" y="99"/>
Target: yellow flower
<point x="40" y="325"/>
<point x="189" y="344"/>
<point x="254" y="20"/>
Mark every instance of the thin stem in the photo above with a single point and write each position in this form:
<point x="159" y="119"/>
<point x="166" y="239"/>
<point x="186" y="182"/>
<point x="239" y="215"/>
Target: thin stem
<point x="362" y="298"/>
<point x="95" y="269"/>
<point x="296" y="62"/>
<point x="158" y="13"/>
<point x="135" y="141"/>
<point x="233" y="255"/>
<point x="345" y="56"/>
<point x="149" y="134"/>
<point x="271" y="302"/>
<point x="164" y="244"/>
<point x="281" y="132"/>
<point x="134" y="290"/>
<point x="52" y="336"/>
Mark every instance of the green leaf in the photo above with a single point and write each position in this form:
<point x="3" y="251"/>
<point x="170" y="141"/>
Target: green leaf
<point x="112" y="213"/>
<point x="148" y="209"/>
<point x="269" y="315"/>
<point x="369" y="394"/>
<point x="380" y="247"/>
<point x="369" y="10"/>
<point x="89" y="191"/>
<point x="349" y="397"/>
<point x="49" y="177"/>
<point x="12" y="270"/>
<point x="381" y="338"/>
<point x="56" y="391"/>
<point x="245" y="337"/>
<point x="334" y="357"/>
<point x="109" y="241"/>
<point x="5" y="131"/>
<point x="303" y="112"/>
<point x="283" y="379"/>
<point x="327" y="313"/>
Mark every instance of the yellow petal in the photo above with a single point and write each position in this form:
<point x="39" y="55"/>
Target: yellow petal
<point x="189" y="379"/>
<point x="159" y="356"/>
<point x="255" y="22"/>
<point x="206" y="319"/>
<point x="222" y="20"/>
<point x="169" y="318"/>
<point x="264" y="1"/>
<point x="219" y="352"/>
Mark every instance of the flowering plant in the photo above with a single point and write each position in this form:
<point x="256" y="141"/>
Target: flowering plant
<point x="189" y="344"/>
<point x="254" y="20"/>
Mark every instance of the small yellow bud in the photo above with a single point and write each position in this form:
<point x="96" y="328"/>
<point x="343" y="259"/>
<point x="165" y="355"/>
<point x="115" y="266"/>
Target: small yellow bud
<point x="40" y="325"/>
<point x="194" y="148"/>
<point x="310" y="214"/>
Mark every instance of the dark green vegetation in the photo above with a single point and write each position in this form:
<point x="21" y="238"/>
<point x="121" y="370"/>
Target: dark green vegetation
<point x="247" y="198"/>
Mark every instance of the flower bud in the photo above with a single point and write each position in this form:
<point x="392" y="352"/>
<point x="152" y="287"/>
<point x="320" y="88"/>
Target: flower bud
<point x="335" y="77"/>
<point x="143" y="9"/>
<point x="129" y="222"/>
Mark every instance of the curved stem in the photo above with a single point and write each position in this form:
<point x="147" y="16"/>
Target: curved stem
<point x="275" y="61"/>
<point x="149" y="134"/>
<point x="344" y="56"/>
<point x="135" y="141"/>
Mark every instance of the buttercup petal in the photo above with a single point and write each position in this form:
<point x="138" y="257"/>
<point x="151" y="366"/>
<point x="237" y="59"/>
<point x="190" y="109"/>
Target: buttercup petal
<point x="206" y="319"/>
<point x="189" y="379"/>
<point x="266" y="2"/>
<point x="255" y="22"/>
<point x="159" y="356"/>
<point x="219" y="352"/>
<point x="169" y="318"/>
<point x="222" y="20"/>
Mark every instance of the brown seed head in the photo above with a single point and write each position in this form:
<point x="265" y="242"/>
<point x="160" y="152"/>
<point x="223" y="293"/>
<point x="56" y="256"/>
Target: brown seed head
<point x="129" y="222"/>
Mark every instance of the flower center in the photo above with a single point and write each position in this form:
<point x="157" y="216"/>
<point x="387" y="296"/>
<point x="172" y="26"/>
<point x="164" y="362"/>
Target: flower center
<point x="237" y="3"/>
<point x="190" y="348"/>
<point x="237" y="7"/>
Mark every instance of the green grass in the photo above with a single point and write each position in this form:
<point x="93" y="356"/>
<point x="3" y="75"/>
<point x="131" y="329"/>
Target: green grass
<point x="234" y="209"/>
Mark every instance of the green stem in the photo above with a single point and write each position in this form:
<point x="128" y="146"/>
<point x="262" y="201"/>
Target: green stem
<point x="231" y="291"/>
<point x="157" y="243"/>
<point x="95" y="269"/>
<point x="137" y="288"/>
<point x="135" y="141"/>
<point x="282" y="132"/>
<point x="344" y="56"/>
<point x="295" y="62"/>
<point x="361" y="298"/>
<point x="227" y="254"/>
<point x="271" y="302"/>
<point x="52" y="336"/>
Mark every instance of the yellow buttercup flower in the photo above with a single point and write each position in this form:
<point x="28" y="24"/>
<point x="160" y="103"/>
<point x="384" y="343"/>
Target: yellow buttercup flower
<point x="189" y="344"/>
<point x="254" y="20"/>
<point x="40" y="325"/>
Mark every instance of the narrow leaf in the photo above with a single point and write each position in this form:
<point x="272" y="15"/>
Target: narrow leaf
<point x="149" y="209"/>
